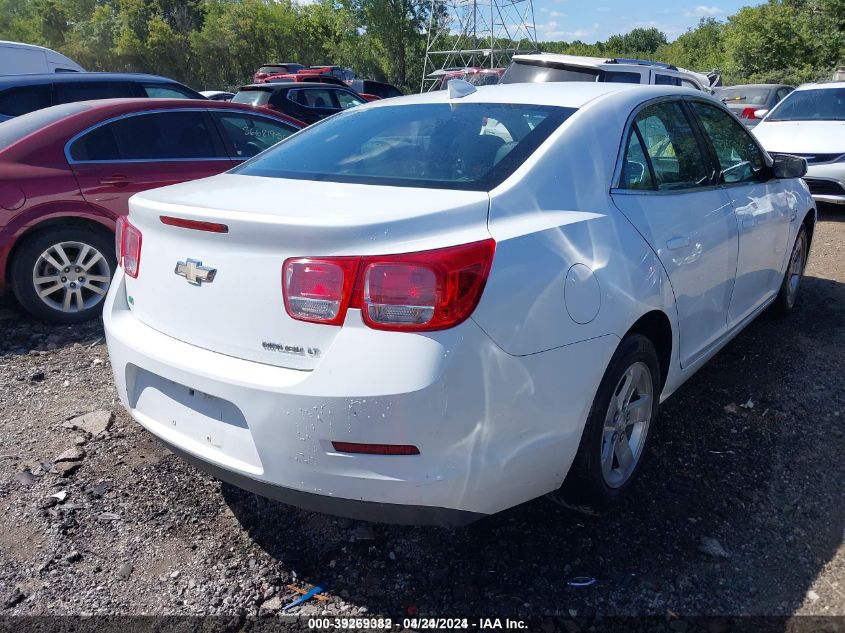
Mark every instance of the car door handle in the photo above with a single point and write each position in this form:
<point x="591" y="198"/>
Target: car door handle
<point x="677" y="242"/>
<point x="117" y="181"/>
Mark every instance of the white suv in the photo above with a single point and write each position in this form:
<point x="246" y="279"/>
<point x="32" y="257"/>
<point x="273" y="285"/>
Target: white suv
<point x="543" y="67"/>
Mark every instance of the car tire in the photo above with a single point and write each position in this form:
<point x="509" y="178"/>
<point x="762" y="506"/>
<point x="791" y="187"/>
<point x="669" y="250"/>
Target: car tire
<point x="788" y="294"/>
<point x="61" y="275"/>
<point x="601" y="473"/>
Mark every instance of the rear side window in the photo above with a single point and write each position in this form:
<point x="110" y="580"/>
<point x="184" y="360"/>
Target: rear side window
<point x="472" y="146"/>
<point x="166" y="91"/>
<point x="740" y="160"/>
<point x="666" y="80"/>
<point x="18" y="101"/>
<point x="248" y="135"/>
<point x="150" y="137"/>
<point x="70" y="91"/>
<point x="620" y="77"/>
<point x="636" y="173"/>
<point x="672" y="148"/>
<point x="520" y="72"/>
<point x="313" y="98"/>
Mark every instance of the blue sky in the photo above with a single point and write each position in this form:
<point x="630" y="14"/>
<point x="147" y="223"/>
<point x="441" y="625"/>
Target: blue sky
<point x="592" y="20"/>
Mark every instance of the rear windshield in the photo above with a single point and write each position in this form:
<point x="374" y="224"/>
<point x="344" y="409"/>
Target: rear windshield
<point x="252" y="97"/>
<point x="13" y="130"/>
<point x="472" y="146"/>
<point x="520" y="72"/>
<point x="824" y="104"/>
<point x="744" y="96"/>
<point x="283" y="68"/>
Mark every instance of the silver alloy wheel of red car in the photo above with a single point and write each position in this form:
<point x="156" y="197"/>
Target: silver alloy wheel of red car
<point x="71" y="276"/>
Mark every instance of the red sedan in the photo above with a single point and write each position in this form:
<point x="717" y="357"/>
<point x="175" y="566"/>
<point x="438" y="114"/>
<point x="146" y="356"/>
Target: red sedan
<point x="67" y="172"/>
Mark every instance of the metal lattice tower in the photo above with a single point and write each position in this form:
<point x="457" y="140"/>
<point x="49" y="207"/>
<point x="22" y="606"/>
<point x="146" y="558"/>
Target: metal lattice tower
<point x="481" y="33"/>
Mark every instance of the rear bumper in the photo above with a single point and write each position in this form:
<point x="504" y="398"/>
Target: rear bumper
<point x="493" y="430"/>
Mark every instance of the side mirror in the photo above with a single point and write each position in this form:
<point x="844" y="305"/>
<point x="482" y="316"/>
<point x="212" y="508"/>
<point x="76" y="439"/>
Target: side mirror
<point x="787" y="166"/>
<point x="759" y="114"/>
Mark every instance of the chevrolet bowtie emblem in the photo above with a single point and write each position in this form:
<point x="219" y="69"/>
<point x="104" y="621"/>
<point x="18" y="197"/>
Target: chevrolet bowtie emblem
<point x="195" y="272"/>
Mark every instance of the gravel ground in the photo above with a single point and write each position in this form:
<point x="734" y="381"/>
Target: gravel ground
<point x="740" y="510"/>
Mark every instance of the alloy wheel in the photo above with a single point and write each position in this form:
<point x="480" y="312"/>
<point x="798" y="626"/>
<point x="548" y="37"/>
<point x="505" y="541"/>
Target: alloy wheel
<point x="626" y="424"/>
<point x="71" y="276"/>
<point x="796" y="268"/>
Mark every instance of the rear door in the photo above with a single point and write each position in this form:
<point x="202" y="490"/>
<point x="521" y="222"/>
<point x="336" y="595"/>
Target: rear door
<point x="136" y="152"/>
<point x="762" y="208"/>
<point x="245" y="134"/>
<point x="665" y="188"/>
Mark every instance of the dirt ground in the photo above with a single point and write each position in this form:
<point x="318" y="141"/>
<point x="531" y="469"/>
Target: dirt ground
<point x="749" y="454"/>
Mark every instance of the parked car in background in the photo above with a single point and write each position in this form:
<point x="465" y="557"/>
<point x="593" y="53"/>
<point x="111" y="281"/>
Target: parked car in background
<point x="20" y="94"/>
<point x="746" y="101"/>
<point x="267" y="71"/>
<point x="544" y="67"/>
<point x="318" y="78"/>
<point x="67" y="172"/>
<point x="306" y="101"/>
<point x="344" y="74"/>
<point x="810" y="122"/>
<point x="379" y="89"/>
<point x="217" y="95"/>
<point x="17" y="58"/>
<point x="396" y="315"/>
<point x="485" y="77"/>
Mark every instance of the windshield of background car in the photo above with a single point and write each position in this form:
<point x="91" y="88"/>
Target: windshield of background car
<point x="252" y="97"/>
<point x="472" y="146"/>
<point x="13" y="130"/>
<point x="824" y="104"/>
<point x="744" y="96"/>
<point x="535" y="72"/>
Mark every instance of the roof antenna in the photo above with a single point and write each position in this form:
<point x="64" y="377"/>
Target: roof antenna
<point x="459" y="88"/>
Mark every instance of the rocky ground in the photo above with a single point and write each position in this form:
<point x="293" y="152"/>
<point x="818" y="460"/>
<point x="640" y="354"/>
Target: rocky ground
<point x="740" y="510"/>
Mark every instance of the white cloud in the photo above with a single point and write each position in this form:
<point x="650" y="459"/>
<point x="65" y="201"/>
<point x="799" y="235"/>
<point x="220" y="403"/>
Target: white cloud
<point x="603" y="9"/>
<point x="702" y="11"/>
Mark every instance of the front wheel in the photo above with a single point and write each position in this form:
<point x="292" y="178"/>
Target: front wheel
<point x="62" y="275"/>
<point x="618" y="430"/>
<point x="788" y="294"/>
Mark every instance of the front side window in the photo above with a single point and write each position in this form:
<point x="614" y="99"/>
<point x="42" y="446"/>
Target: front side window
<point x="740" y="160"/>
<point x="149" y="137"/>
<point x="472" y="146"/>
<point x="820" y="104"/>
<point x="672" y="147"/>
<point x="18" y="101"/>
<point x="248" y="134"/>
<point x="70" y="91"/>
<point x="347" y="100"/>
<point x="166" y="91"/>
<point x="252" y="97"/>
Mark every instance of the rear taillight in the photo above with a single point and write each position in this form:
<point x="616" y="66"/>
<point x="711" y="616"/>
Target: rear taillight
<point x="127" y="241"/>
<point x="748" y="113"/>
<point x="430" y="290"/>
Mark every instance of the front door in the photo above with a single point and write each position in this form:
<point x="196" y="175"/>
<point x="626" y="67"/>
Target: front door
<point x="142" y="151"/>
<point x="667" y="193"/>
<point x="763" y="210"/>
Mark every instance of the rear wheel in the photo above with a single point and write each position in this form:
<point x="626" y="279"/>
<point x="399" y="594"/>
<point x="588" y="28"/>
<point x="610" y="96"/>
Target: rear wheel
<point x="62" y="275"/>
<point x="618" y="430"/>
<point x="788" y="294"/>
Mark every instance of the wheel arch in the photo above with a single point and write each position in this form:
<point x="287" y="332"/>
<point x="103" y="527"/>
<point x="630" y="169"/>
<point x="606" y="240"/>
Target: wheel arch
<point x="101" y="225"/>
<point x="657" y="327"/>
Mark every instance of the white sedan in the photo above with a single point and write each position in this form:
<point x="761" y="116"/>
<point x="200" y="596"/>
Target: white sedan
<point x="810" y="122"/>
<point x="432" y="308"/>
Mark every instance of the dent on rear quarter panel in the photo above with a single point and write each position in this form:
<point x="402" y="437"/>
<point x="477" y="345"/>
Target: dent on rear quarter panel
<point x="555" y="214"/>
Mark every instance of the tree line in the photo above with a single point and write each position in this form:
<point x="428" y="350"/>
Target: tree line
<point x="210" y="44"/>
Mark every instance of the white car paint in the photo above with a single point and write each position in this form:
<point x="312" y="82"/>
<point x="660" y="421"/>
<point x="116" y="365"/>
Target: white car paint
<point x="17" y="58"/>
<point x="497" y="404"/>
<point x="810" y="139"/>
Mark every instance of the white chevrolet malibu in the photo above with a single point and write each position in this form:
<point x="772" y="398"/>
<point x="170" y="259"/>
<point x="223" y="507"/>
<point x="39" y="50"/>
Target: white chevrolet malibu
<point x="429" y="309"/>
